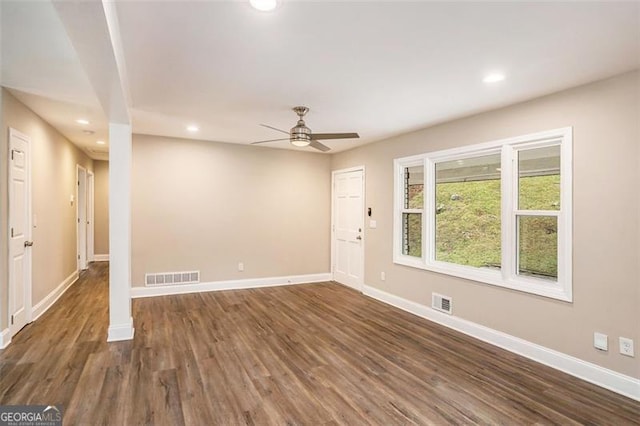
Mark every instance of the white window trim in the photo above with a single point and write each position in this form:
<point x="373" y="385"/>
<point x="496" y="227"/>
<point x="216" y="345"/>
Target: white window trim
<point x="561" y="289"/>
<point x="398" y="256"/>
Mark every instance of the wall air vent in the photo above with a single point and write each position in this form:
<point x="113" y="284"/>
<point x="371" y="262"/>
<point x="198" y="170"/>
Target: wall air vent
<point x="441" y="303"/>
<point x="171" y="278"/>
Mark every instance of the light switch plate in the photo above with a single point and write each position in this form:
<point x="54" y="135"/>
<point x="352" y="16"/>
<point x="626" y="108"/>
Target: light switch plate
<point x="373" y="224"/>
<point x="601" y="341"/>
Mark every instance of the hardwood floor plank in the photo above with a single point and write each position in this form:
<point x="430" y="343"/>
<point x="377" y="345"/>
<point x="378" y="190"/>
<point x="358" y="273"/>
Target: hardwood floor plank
<point x="167" y="402"/>
<point x="295" y="355"/>
<point x="195" y="404"/>
<point x="110" y="408"/>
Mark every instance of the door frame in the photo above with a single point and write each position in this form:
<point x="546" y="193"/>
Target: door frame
<point x="81" y="228"/>
<point x="333" y="218"/>
<point x="28" y="303"/>
<point x="90" y="216"/>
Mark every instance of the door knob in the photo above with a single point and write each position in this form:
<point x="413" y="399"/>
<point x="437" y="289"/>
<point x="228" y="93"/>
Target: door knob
<point x="358" y="237"/>
<point x="28" y="243"/>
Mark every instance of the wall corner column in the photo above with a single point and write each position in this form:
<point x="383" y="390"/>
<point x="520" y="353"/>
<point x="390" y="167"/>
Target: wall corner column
<point x="120" y="318"/>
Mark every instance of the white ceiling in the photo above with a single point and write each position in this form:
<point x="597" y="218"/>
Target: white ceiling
<point x="377" y="68"/>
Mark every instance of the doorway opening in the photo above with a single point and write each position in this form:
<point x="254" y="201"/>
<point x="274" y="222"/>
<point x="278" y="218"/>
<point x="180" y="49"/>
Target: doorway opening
<point x="81" y="217"/>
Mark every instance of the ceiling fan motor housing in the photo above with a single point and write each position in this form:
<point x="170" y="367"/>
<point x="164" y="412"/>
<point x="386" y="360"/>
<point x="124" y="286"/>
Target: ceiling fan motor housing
<point x="300" y="134"/>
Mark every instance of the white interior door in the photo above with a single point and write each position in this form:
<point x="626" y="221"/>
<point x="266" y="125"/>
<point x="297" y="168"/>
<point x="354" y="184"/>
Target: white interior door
<point x="81" y="210"/>
<point x="19" y="232"/>
<point x="348" y="227"/>
<point x="90" y="216"/>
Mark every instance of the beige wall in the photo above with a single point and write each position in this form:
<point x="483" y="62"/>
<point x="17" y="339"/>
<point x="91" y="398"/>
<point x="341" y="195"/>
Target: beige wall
<point x="207" y="206"/>
<point x="101" y="206"/>
<point x="53" y="165"/>
<point x="606" y="273"/>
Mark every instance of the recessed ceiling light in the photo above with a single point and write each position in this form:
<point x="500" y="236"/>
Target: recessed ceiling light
<point x="494" y="77"/>
<point x="100" y="142"/>
<point x="264" y="5"/>
<point x="82" y="121"/>
<point x="192" y="129"/>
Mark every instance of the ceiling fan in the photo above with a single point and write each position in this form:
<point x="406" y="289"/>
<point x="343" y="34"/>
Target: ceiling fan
<point x="301" y="135"/>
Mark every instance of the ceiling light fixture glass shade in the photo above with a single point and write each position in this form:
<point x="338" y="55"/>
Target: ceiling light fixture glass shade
<point x="300" y="141"/>
<point x="264" y="5"/>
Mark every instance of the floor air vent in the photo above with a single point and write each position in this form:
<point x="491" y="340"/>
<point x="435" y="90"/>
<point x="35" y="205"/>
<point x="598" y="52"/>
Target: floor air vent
<point x="441" y="303"/>
<point x="171" y="278"/>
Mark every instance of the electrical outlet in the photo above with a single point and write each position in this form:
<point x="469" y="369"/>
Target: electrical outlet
<point x="382" y="276"/>
<point x="600" y="341"/>
<point x="626" y="346"/>
<point x="240" y="266"/>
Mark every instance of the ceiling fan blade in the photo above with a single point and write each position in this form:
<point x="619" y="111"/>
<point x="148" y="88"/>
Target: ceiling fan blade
<point x="274" y="128"/>
<point x="323" y="136"/>
<point x="270" y="140"/>
<point x="317" y="145"/>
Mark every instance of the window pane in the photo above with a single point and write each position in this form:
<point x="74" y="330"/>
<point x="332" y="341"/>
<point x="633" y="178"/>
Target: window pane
<point x="412" y="234"/>
<point x="413" y="187"/>
<point x="538" y="246"/>
<point x="468" y="211"/>
<point x="539" y="178"/>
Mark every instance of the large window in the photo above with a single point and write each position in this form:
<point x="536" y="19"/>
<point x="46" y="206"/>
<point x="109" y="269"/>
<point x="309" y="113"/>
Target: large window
<point x="498" y="212"/>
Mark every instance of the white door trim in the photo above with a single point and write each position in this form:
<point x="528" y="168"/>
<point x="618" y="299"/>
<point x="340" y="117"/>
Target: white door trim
<point x="28" y="236"/>
<point x="81" y="228"/>
<point x="333" y="210"/>
<point x="90" y="216"/>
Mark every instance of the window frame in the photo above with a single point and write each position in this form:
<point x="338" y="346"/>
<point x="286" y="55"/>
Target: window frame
<point x="507" y="276"/>
<point x="400" y="167"/>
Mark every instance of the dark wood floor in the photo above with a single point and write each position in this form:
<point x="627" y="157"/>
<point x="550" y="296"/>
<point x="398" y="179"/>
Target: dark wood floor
<point x="307" y="354"/>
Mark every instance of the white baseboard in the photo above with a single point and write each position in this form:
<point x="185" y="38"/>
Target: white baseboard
<point x="5" y="338"/>
<point x="608" y="379"/>
<point x="228" y="285"/>
<point x="51" y="298"/>
<point x="101" y="257"/>
<point x="118" y="332"/>
<point x="42" y="306"/>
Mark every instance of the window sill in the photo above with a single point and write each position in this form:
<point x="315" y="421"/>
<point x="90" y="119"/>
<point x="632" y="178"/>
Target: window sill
<point x="534" y="286"/>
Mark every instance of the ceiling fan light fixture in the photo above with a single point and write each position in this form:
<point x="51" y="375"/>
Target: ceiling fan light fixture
<point x="301" y="136"/>
<point x="301" y="142"/>
<point x="264" y="5"/>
